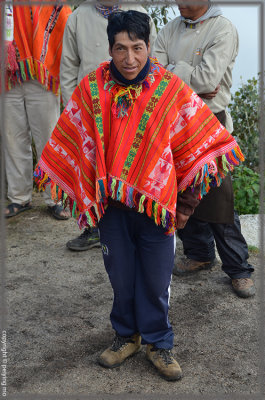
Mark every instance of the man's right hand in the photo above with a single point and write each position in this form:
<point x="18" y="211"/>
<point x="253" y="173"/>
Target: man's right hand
<point x="181" y="220"/>
<point x="210" y="95"/>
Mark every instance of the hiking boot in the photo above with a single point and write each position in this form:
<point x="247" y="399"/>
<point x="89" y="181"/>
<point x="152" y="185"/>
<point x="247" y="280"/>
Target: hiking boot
<point x="165" y="363"/>
<point x="87" y="240"/>
<point x="244" y="287"/>
<point x="184" y="265"/>
<point x="120" y="349"/>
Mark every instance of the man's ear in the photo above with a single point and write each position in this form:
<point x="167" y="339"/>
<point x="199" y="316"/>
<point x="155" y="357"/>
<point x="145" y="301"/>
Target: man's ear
<point x="149" y="48"/>
<point x="110" y="52"/>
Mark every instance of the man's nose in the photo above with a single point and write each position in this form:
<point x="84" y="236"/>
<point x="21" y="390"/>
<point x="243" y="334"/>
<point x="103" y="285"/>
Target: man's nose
<point x="130" y="57"/>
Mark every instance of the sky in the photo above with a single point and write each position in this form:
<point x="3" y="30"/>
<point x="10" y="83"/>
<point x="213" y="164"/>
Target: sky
<point x="245" y="18"/>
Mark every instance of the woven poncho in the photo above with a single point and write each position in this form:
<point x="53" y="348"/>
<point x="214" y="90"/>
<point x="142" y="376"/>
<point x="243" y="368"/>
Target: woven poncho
<point x="140" y="145"/>
<point x="35" y="52"/>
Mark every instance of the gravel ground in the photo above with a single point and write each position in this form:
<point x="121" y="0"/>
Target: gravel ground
<point x="58" y="323"/>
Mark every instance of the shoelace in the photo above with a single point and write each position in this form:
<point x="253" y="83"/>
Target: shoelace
<point x="85" y="233"/>
<point x="165" y="355"/>
<point x="118" y="342"/>
<point x="243" y="282"/>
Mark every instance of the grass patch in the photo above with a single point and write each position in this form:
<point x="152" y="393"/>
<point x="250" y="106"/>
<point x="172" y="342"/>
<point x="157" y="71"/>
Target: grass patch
<point x="253" y="249"/>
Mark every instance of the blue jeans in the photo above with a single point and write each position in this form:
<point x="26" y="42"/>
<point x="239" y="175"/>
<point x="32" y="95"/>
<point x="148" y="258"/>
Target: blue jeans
<point x="139" y="258"/>
<point x="198" y="239"/>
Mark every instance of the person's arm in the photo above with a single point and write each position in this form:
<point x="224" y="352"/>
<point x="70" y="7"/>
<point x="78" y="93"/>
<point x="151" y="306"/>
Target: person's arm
<point x="210" y="95"/>
<point x="160" y="50"/>
<point x="186" y="203"/>
<point x="153" y="34"/>
<point x="70" y="61"/>
<point x="206" y="76"/>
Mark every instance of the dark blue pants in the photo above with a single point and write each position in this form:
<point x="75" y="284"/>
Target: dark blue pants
<point x="139" y="258"/>
<point x="198" y="239"/>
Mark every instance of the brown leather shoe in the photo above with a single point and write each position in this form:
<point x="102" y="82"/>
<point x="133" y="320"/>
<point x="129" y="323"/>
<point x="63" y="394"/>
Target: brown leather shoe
<point x="164" y="362"/>
<point x="120" y="349"/>
<point x="184" y="265"/>
<point x="244" y="287"/>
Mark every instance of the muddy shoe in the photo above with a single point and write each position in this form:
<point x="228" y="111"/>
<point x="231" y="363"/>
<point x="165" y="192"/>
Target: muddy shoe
<point x="244" y="287"/>
<point x="165" y="363"/>
<point x="184" y="265"/>
<point x="120" y="349"/>
<point x="87" y="240"/>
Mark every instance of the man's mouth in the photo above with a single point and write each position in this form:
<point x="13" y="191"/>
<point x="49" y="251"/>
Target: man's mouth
<point x="130" y="69"/>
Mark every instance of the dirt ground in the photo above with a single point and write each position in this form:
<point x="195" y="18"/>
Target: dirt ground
<point x="58" y="322"/>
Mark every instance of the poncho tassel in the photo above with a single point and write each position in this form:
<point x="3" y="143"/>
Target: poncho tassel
<point x="141" y="204"/>
<point x="100" y="189"/>
<point x="120" y="191"/>
<point x="30" y="70"/>
<point x="113" y="184"/>
<point x="41" y="178"/>
<point x="163" y="219"/>
<point x="212" y="174"/>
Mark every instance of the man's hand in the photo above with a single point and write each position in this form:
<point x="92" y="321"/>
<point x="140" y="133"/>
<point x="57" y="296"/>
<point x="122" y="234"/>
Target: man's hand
<point x="181" y="220"/>
<point x="211" y="95"/>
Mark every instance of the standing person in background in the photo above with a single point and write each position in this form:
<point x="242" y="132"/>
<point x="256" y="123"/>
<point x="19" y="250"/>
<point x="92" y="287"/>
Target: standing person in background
<point x="32" y="98"/>
<point x="200" y="47"/>
<point x="85" y="47"/>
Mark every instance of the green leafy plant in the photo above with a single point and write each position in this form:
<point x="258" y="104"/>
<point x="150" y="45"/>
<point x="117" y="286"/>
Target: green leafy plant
<point x="244" y="110"/>
<point x="246" y="185"/>
<point x="159" y="15"/>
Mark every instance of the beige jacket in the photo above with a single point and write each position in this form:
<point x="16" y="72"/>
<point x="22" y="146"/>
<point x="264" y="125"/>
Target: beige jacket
<point x="203" y="57"/>
<point x="85" y="45"/>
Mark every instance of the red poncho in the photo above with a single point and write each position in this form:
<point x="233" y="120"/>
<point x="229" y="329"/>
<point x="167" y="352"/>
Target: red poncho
<point x="140" y="145"/>
<point x="35" y="52"/>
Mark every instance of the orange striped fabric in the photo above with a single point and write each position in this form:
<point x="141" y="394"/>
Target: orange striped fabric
<point x="169" y="140"/>
<point x="38" y="36"/>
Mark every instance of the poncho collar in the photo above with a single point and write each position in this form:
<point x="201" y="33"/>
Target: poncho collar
<point x="124" y="96"/>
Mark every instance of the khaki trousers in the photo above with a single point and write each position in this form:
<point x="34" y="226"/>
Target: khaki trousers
<point x="30" y="111"/>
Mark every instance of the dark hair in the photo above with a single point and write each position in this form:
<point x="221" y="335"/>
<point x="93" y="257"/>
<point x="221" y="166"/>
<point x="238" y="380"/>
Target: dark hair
<point x="135" y="23"/>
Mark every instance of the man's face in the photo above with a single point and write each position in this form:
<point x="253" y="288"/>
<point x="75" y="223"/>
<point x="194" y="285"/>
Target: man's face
<point x="129" y="56"/>
<point x="192" y="9"/>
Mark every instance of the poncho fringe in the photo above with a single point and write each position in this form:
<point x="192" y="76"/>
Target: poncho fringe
<point x="30" y="69"/>
<point x="119" y="190"/>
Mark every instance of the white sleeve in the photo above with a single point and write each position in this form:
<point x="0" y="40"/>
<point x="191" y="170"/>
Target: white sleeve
<point x="205" y="77"/>
<point x="70" y="61"/>
<point x="160" y="48"/>
<point x="153" y="34"/>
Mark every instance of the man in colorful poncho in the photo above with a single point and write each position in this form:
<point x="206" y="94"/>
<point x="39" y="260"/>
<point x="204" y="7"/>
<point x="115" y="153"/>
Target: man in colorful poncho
<point x="32" y="98"/>
<point x="133" y="142"/>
